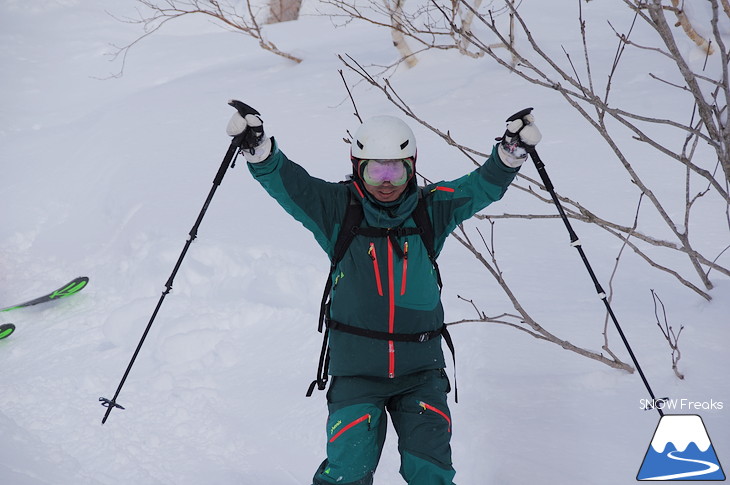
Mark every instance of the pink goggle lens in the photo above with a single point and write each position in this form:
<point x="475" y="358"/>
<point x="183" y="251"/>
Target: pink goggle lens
<point x="377" y="172"/>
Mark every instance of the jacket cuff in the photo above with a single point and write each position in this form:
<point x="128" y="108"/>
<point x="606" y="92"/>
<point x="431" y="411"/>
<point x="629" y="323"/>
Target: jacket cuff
<point x="496" y="172"/>
<point x="268" y="164"/>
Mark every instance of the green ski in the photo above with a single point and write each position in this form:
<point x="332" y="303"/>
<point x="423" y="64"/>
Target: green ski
<point x="6" y="329"/>
<point x="69" y="289"/>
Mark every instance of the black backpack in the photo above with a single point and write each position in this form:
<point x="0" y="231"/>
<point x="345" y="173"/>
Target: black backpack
<point x="350" y="228"/>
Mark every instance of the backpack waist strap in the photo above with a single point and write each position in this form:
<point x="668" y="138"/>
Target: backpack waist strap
<point x="374" y="334"/>
<point x="396" y="337"/>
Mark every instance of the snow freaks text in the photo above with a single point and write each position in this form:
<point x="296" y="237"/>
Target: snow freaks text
<point x="680" y="404"/>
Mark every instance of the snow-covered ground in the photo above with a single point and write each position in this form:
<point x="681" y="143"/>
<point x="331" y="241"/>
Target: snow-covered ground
<point x="104" y="178"/>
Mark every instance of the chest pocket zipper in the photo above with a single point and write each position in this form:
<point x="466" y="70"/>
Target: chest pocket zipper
<point x="374" y="256"/>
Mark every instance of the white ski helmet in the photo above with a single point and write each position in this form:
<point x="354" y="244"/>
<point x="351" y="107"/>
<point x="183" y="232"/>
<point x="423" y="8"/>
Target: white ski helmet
<point x="384" y="138"/>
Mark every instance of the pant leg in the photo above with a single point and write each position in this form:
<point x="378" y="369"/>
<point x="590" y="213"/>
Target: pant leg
<point x="417" y="471"/>
<point x="422" y="420"/>
<point x="356" y="429"/>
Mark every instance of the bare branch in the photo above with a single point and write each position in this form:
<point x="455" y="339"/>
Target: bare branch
<point x="689" y="30"/>
<point x="450" y="26"/>
<point x="156" y="13"/>
<point x="535" y="329"/>
<point x="609" y="296"/>
<point x="582" y="213"/>
<point x="670" y="336"/>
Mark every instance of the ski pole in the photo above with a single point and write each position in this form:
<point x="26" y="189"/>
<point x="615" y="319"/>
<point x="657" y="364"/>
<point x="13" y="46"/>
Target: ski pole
<point x="228" y="160"/>
<point x="575" y="242"/>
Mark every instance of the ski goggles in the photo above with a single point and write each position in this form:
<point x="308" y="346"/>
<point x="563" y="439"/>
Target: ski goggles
<point x="377" y="172"/>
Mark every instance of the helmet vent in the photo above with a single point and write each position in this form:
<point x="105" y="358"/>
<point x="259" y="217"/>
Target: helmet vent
<point x="402" y="145"/>
<point x="360" y="145"/>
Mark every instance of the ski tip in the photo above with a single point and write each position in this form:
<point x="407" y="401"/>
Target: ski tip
<point x="6" y="329"/>
<point x="73" y="286"/>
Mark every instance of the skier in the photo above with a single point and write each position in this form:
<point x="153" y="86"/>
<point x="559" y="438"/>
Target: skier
<point x="384" y="317"/>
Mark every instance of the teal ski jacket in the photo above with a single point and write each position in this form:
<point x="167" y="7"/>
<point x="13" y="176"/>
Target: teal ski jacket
<point x="377" y="286"/>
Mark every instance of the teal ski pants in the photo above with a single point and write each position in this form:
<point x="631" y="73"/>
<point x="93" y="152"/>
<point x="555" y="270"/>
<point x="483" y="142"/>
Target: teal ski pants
<point x="357" y="424"/>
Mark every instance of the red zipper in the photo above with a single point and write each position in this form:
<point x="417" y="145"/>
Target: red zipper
<point x="350" y="425"/>
<point x="405" y="269"/>
<point x="428" y="407"/>
<point x="391" y="311"/>
<point x="374" y="257"/>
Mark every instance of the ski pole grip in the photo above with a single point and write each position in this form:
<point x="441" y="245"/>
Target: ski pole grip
<point x="520" y="114"/>
<point x="242" y="108"/>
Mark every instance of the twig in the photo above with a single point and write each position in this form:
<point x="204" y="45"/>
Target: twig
<point x="535" y="329"/>
<point x="349" y="93"/>
<point x="669" y="335"/>
<point x="223" y="13"/>
<point x="613" y="275"/>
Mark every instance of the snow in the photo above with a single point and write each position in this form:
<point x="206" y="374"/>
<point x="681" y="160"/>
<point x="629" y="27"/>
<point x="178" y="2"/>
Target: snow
<point x="689" y="428"/>
<point x="104" y="177"/>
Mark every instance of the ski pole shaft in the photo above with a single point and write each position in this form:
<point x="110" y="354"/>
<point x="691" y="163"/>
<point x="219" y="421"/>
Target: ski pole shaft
<point x="228" y="161"/>
<point x="575" y="242"/>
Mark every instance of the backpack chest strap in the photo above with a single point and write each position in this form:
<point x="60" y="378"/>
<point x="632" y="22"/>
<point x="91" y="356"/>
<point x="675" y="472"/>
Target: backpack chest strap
<point x="387" y="232"/>
<point x="390" y="233"/>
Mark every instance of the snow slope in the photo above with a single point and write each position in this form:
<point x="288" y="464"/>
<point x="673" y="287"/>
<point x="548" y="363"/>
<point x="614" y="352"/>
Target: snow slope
<point x="104" y="178"/>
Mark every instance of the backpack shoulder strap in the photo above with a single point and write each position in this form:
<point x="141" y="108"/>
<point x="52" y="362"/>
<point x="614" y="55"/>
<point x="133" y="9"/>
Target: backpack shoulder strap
<point x="428" y="236"/>
<point x="354" y="215"/>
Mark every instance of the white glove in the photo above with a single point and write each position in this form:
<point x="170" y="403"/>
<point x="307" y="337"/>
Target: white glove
<point x="254" y="143"/>
<point x="520" y="137"/>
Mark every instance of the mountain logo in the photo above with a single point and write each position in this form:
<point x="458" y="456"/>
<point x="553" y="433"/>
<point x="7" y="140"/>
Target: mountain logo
<point x="681" y="450"/>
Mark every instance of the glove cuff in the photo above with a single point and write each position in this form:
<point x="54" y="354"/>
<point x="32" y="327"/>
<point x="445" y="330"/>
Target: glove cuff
<point x="260" y="153"/>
